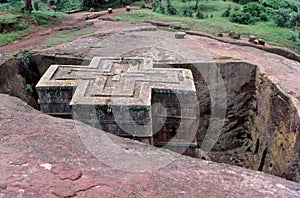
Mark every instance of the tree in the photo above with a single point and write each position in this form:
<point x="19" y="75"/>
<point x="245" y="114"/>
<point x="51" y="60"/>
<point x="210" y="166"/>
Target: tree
<point x="90" y="3"/>
<point x="28" y="6"/>
<point x="282" y="17"/>
<point x="197" y="2"/>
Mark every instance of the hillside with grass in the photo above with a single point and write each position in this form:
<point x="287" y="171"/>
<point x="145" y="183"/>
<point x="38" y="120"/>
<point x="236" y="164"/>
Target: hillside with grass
<point x="275" y="21"/>
<point x="15" y="24"/>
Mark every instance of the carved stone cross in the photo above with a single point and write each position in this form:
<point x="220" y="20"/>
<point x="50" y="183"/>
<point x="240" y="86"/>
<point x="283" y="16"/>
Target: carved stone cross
<point x="127" y="97"/>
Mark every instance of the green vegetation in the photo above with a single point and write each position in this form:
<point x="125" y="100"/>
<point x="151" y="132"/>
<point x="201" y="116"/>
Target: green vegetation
<point x="23" y="54"/>
<point x="275" y="21"/>
<point x="14" y="24"/>
<point x="250" y="14"/>
<point x="66" y="36"/>
<point x="41" y="5"/>
<point x="43" y="18"/>
<point x="214" y="17"/>
<point x="6" y="38"/>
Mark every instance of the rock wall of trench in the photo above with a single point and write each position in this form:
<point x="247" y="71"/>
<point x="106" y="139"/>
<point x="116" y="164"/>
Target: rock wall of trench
<point x="17" y="79"/>
<point x="276" y="128"/>
<point x="262" y="125"/>
<point x="239" y="82"/>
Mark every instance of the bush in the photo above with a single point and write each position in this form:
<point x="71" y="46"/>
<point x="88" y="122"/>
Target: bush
<point x="226" y="13"/>
<point x="158" y="7"/>
<point x="293" y="38"/>
<point x="282" y="17"/>
<point x="142" y="5"/>
<point x="12" y="5"/>
<point x="243" y="2"/>
<point x="187" y="12"/>
<point x="236" y="8"/>
<point x="263" y="17"/>
<point x="252" y="12"/>
<point x="240" y="17"/>
<point x="254" y="9"/>
<point x="295" y="21"/>
<point x="270" y="12"/>
<point x="41" y="18"/>
<point x="65" y="5"/>
<point x="155" y="4"/>
<point x="277" y="4"/>
<point x="171" y="10"/>
<point x="161" y="9"/>
<point x="200" y="15"/>
<point x="36" y="6"/>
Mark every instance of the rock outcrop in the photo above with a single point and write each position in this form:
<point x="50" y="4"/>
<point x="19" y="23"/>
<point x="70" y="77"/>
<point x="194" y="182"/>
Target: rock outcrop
<point x="43" y="156"/>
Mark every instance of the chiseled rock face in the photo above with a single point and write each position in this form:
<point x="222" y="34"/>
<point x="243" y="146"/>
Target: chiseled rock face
<point x="276" y="132"/>
<point x="262" y="125"/>
<point x="43" y="156"/>
<point x="16" y="79"/>
<point x="239" y="91"/>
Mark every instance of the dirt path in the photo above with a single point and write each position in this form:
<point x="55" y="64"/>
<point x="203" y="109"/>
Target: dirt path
<point x="73" y="21"/>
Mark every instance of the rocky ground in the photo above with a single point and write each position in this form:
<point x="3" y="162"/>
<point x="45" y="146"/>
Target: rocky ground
<point x="43" y="156"/>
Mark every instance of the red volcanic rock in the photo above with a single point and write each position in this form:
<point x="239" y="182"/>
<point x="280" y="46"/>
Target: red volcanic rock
<point x="43" y="156"/>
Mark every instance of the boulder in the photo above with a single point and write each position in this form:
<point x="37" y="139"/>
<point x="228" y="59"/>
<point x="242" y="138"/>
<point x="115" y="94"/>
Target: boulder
<point x="93" y="10"/>
<point x="252" y="38"/>
<point x="234" y="35"/>
<point x="180" y="35"/>
<point x="261" y="42"/>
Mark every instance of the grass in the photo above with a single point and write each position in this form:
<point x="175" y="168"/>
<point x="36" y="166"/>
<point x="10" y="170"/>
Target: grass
<point x="20" y="25"/>
<point x="22" y="54"/>
<point x="66" y="36"/>
<point x="7" y="17"/>
<point x="44" y="18"/>
<point x="6" y="38"/>
<point x="13" y="53"/>
<point x="268" y="31"/>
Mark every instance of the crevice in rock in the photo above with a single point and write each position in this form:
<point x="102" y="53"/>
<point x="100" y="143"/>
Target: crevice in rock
<point x="263" y="159"/>
<point x="31" y="77"/>
<point x="74" y="193"/>
<point x="256" y="146"/>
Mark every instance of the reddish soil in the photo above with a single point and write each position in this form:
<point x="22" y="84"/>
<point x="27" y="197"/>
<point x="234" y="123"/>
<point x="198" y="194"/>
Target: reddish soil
<point x="73" y="21"/>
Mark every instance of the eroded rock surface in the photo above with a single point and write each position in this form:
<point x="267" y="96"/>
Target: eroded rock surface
<point x="43" y="156"/>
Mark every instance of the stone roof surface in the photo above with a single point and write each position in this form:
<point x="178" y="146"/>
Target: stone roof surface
<point x="128" y="81"/>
